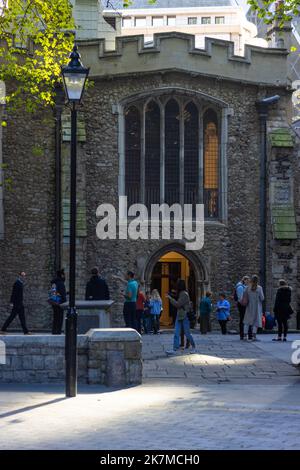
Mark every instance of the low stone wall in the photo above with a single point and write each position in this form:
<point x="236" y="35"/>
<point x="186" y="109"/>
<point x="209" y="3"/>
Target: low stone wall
<point x="105" y="356"/>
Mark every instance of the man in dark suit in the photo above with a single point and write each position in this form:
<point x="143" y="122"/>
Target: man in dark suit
<point x="96" y="288"/>
<point x="17" y="304"/>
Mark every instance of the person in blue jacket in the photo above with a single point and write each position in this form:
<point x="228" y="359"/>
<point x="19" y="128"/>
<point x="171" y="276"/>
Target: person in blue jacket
<point x="223" y="312"/>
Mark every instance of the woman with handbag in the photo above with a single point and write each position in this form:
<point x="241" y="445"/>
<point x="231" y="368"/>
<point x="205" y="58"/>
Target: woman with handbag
<point x="182" y="305"/>
<point x="253" y="300"/>
<point x="283" y="309"/>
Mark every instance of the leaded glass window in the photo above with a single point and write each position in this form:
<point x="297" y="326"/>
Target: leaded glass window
<point x="172" y="152"/>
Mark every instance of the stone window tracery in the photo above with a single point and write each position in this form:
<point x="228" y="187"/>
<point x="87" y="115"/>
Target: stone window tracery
<point x="172" y="153"/>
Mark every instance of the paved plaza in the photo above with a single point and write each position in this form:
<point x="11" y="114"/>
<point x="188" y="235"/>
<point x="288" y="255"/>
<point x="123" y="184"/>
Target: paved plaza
<point x="230" y="395"/>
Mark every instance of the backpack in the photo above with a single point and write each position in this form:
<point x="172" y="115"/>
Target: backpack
<point x="235" y="296"/>
<point x="54" y="297"/>
<point x="270" y="322"/>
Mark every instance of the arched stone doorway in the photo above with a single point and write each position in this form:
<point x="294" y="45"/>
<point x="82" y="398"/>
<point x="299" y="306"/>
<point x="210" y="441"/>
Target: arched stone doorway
<point x="170" y="263"/>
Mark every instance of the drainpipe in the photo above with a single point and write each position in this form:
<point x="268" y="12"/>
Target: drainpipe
<point x="59" y="104"/>
<point x="262" y="107"/>
<point x="1" y="178"/>
<point x="2" y="108"/>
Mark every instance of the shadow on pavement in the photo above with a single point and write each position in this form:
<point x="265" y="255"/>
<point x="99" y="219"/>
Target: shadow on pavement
<point x="30" y="408"/>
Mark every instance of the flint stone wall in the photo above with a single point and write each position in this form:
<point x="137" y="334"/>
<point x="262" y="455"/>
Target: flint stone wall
<point x="108" y="356"/>
<point x="231" y="249"/>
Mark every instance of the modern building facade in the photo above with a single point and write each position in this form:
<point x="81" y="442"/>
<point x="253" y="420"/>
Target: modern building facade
<point x="223" y="19"/>
<point x="163" y="122"/>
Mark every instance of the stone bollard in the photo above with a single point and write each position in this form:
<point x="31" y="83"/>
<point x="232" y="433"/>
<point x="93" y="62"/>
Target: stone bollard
<point x="114" y="357"/>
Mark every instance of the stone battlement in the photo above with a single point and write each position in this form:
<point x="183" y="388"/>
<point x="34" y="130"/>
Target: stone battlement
<point x="177" y="52"/>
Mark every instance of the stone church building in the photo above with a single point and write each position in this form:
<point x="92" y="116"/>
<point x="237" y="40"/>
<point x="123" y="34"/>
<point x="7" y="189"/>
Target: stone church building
<point x="163" y="121"/>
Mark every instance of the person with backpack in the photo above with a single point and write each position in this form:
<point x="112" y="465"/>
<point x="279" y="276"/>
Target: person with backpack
<point x="253" y="300"/>
<point x="283" y="309"/>
<point x="16" y="302"/>
<point x="238" y="296"/>
<point x="57" y="297"/>
<point x="182" y="305"/>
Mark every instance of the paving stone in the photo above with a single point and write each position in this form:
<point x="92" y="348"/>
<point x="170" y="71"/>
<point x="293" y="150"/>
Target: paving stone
<point x="248" y="412"/>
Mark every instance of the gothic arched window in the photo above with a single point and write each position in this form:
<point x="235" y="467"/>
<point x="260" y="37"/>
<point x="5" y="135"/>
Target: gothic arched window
<point x="172" y="152"/>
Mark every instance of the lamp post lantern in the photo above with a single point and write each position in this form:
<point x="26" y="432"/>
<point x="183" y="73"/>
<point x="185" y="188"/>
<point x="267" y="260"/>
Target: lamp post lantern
<point x="74" y="78"/>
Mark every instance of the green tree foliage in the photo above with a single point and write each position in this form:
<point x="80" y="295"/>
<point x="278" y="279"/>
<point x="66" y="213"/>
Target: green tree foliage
<point x="36" y="37"/>
<point x="127" y="3"/>
<point x="284" y="11"/>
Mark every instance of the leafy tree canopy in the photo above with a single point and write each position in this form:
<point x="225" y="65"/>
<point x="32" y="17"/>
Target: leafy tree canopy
<point x="33" y="46"/>
<point x="34" y="43"/>
<point x="281" y="10"/>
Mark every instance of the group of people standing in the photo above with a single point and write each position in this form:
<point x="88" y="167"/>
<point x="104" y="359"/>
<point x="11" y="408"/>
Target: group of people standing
<point x="249" y="298"/>
<point x="142" y="311"/>
<point x="96" y="289"/>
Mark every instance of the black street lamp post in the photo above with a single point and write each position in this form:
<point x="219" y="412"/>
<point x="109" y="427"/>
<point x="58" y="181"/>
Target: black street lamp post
<point x="74" y="79"/>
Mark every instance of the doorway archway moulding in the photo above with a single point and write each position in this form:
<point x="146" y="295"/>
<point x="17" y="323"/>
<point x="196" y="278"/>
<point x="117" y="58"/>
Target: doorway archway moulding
<point x="199" y="265"/>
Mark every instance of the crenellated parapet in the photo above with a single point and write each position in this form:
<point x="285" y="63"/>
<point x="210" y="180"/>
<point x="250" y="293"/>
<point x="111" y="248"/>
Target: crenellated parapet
<point x="177" y="52"/>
